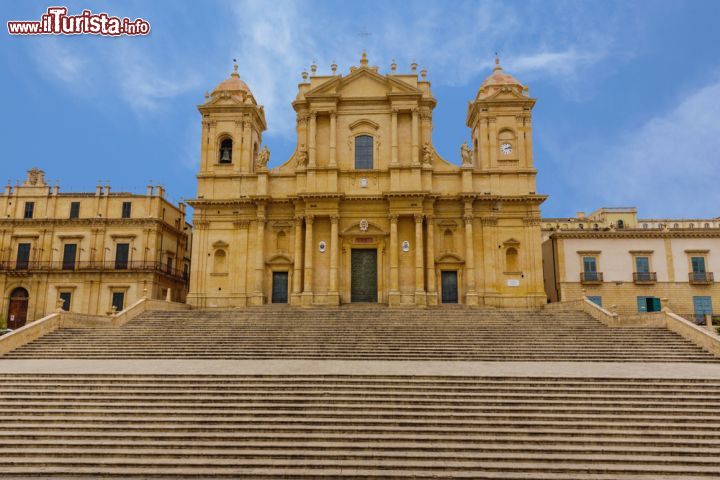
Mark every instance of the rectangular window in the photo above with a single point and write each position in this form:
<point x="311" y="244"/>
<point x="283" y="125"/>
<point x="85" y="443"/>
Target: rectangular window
<point x="648" y="304"/>
<point x="75" y="210"/>
<point x="642" y="264"/>
<point x="597" y="300"/>
<point x="69" y="256"/>
<point x="122" y="254"/>
<point x="66" y="297"/>
<point x="118" y="301"/>
<point x="126" y="209"/>
<point x="169" y="265"/>
<point x="23" y="256"/>
<point x="698" y="264"/>
<point x="186" y="271"/>
<point x="589" y="264"/>
<point x="29" y="209"/>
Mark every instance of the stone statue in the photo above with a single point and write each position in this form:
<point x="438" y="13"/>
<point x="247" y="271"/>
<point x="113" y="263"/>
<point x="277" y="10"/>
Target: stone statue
<point x="466" y="154"/>
<point x="301" y="160"/>
<point x="263" y="158"/>
<point x="427" y="154"/>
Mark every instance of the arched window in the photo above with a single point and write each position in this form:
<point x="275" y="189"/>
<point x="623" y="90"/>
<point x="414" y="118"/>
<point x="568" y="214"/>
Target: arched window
<point x="219" y="262"/>
<point x="363" y="152"/>
<point x="620" y="224"/>
<point x="645" y="225"/>
<point x="707" y="225"/>
<point x="581" y="226"/>
<point x="225" y="151"/>
<point x="676" y="225"/>
<point x="692" y="225"/>
<point x="511" y="260"/>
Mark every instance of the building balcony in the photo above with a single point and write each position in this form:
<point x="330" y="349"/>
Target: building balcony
<point x="701" y="278"/>
<point x="642" y="278"/>
<point x="590" y="278"/>
<point x="26" y="268"/>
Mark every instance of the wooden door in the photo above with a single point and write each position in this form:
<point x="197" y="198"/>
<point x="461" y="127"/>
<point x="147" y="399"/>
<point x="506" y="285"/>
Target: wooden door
<point x="449" y="286"/>
<point x="280" y="287"/>
<point x="17" y="311"/>
<point x="363" y="275"/>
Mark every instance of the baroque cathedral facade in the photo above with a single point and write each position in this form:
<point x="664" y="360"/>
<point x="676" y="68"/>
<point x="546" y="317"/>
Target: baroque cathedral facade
<point x="365" y="209"/>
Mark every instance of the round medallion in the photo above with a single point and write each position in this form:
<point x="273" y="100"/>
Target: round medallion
<point x="322" y="246"/>
<point x="364" y="225"/>
<point x="406" y="246"/>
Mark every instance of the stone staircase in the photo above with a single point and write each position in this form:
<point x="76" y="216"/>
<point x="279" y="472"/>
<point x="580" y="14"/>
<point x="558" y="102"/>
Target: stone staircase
<point x="360" y="426"/>
<point x="366" y="333"/>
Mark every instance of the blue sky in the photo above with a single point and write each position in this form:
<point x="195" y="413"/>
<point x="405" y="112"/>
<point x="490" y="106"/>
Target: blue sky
<point x="628" y="110"/>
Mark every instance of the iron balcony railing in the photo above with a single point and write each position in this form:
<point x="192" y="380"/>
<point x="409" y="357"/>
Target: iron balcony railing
<point x="701" y="277"/>
<point x="644" y="277"/>
<point x="119" y="265"/>
<point x="591" y="277"/>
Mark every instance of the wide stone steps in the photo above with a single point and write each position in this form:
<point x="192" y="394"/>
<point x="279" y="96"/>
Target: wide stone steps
<point x="303" y="426"/>
<point x="370" y="333"/>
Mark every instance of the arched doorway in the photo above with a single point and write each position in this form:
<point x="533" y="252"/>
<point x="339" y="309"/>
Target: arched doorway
<point x="17" y="311"/>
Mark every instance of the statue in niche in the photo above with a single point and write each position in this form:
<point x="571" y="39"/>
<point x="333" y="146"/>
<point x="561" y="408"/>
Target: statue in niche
<point x="466" y="154"/>
<point x="263" y="158"/>
<point x="302" y="158"/>
<point x="427" y="154"/>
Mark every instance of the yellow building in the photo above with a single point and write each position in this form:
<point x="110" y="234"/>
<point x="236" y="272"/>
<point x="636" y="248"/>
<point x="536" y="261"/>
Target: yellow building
<point x="365" y="209"/>
<point x="632" y="265"/>
<point x="87" y="252"/>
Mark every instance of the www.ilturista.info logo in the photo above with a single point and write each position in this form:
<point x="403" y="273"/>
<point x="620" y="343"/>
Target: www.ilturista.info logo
<point x="57" y="22"/>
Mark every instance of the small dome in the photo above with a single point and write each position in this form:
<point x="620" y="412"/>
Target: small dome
<point x="234" y="87"/>
<point x="233" y="83"/>
<point x="499" y="79"/>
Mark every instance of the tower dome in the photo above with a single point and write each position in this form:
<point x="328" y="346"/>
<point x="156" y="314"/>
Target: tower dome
<point x="498" y="80"/>
<point x="234" y="86"/>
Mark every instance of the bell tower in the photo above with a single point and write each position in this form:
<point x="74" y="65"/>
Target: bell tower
<point x="500" y="121"/>
<point x="232" y="126"/>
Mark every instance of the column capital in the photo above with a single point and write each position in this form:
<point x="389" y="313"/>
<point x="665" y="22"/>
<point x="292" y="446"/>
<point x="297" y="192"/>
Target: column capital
<point x="299" y="219"/>
<point x="393" y="217"/>
<point x="309" y="219"/>
<point x="241" y="223"/>
<point x="430" y="218"/>
<point x="468" y="218"/>
<point x="334" y="219"/>
<point x="419" y="217"/>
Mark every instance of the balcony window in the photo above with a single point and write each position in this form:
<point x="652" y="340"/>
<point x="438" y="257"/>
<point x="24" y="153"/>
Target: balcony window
<point x="363" y="152"/>
<point x="23" y="256"/>
<point x="122" y="253"/>
<point x="69" y="256"/>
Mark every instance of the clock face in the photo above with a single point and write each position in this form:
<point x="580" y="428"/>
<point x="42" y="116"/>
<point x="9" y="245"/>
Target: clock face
<point x="506" y="149"/>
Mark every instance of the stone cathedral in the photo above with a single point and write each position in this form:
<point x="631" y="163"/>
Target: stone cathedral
<point x="365" y="209"/>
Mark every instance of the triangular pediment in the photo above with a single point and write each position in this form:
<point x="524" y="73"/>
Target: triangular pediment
<point x="363" y="82"/>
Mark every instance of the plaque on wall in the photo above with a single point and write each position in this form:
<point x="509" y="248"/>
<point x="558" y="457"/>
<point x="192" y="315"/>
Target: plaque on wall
<point x="513" y="282"/>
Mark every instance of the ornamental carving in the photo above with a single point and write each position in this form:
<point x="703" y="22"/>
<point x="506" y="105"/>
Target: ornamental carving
<point x="364" y="225"/>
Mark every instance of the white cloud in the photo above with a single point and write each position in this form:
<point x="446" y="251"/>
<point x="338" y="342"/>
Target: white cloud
<point x="456" y="43"/>
<point x="61" y="62"/>
<point x="670" y="166"/>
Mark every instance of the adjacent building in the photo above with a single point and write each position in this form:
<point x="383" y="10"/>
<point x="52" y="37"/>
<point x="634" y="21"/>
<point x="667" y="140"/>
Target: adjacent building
<point x="365" y="209"/>
<point x="87" y="252"/>
<point x="633" y="265"/>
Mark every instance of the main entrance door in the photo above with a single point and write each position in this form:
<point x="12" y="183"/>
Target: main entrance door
<point x="17" y="312"/>
<point x="363" y="281"/>
<point x="280" y="287"/>
<point x="449" y="286"/>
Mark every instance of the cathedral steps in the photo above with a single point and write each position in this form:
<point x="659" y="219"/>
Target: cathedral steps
<point x="365" y="426"/>
<point x="367" y="333"/>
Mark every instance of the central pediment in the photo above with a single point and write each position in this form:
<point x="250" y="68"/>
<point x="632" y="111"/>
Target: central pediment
<point x="363" y="82"/>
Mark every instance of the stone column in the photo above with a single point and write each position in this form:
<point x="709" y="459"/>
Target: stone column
<point x="430" y="261"/>
<point x="308" y="264"/>
<point x="312" y="140"/>
<point x="394" y="296"/>
<point x="471" y="293"/>
<point x="334" y="252"/>
<point x="333" y="139"/>
<point x="394" y="135"/>
<point x="419" y="268"/>
<point x="415" y="138"/>
<point x="297" y="257"/>
<point x="258" y="297"/>
<point x="247" y="160"/>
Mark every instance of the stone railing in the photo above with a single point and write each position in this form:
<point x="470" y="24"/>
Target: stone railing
<point x="665" y="319"/>
<point x="34" y="330"/>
